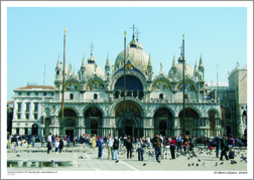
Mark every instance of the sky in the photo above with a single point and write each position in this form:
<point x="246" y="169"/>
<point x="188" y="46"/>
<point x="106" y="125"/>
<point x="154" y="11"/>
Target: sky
<point x="35" y="38"/>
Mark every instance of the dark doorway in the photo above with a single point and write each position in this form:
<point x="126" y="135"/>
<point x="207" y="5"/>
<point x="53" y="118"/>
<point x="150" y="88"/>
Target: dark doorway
<point x="128" y="131"/>
<point x="228" y="130"/>
<point x="94" y="132"/>
<point x="187" y="132"/>
<point x="70" y="133"/>
<point x="26" y="131"/>
<point x="163" y="133"/>
<point x="35" y="129"/>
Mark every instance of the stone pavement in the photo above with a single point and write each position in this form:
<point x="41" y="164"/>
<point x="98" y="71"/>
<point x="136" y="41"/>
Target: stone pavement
<point x="92" y="163"/>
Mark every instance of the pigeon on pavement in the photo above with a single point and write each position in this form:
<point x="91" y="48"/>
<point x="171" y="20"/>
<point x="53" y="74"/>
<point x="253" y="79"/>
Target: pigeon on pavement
<point x="144" y="164"/>
<point x="117" y="161"/>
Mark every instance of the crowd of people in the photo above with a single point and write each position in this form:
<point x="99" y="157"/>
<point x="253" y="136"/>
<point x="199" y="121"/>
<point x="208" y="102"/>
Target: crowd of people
<point x="163" y="146"/>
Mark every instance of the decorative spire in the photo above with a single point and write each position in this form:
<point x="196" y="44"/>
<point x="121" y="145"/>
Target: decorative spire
<point x="149" y="66"/>
<point x="73" y="74"/>
<point x="195" y="68"/>
<point x="70" y="70"/>
<point x="174" y="62"/>
<point x="133" y="28"/>
<point x="83" y="62"/>
<point x="201" y="66"/>
<point x="92" y="48"/>
<point x="149" y="61"/>
<point x="58" y="64"/>
<point x="137" y="33"/>
<point x="91" y="60"/>
<point x="107" y="63"/>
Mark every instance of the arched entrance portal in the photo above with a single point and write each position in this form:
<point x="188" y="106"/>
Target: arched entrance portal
<point x="191" y="122"/>
<point x="93" y="121"/>
<point x="35" y="129"/>
<point x="163" y="122"/>
<point x="132" y="119"/>
<point x="129" y="126"/>
<point x="69" y="122"/>
<point x="213" y="124"/>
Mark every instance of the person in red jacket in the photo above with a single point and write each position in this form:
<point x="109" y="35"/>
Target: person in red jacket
<point x="172" y="147"/>
<point x="185" y="145"/>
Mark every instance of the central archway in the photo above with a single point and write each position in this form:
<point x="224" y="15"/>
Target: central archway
<point x="133" y="117"/>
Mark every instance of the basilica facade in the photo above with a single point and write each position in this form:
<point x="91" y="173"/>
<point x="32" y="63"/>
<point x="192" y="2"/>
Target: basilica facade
<point x="94" y="99"/>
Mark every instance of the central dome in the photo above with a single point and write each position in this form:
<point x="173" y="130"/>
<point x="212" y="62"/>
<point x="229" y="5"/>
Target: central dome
<point x="135" y="54"/>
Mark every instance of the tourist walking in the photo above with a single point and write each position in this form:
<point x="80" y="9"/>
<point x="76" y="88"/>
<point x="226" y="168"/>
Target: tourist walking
<point x="217" y="141"/>
<point x="68" y="141"/>
<point x="53" y="139"/>
<point x="110" y="142"/>
<point x="56" y="144"/>
<point x="166" y="147"/>
<point x="231" y="143"/>
<point x="172" y="147"/>
<point x="100" y="145"/>
<point x="139" y="149"/>
<point x="74" y="141"/>
<point x="148" y="140"/>
<point x="224" y="148"/>
<point x="179" y="143"/>
<point x="129" y="148"/>
<point x="61" y="144"/>
<point x="185" y="145"/>
<point x="42" y="141"/>
<point x="49" y="145"/>
<point x="157" y="145"/>
<point x="14" y="142"/>
<point x="115" y="148"/>
<point x="94" y="141"/>
<point x="33" y="140"/>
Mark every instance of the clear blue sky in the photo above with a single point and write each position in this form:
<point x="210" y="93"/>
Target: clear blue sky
<point x="35" y="38"/>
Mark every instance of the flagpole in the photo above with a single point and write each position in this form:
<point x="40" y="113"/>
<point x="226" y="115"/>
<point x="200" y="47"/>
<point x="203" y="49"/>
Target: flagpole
<point x="124" y="82"/>
<point x="183" y="90"/>
<point x="62" y="126"/>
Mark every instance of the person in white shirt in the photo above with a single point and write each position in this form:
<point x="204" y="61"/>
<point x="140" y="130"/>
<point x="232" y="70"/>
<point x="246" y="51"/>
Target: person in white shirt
<point x="148" y="142"/>
<point x="110" y="142"/>
<point x="162" y="140"/>
<point x="49" y="143"/>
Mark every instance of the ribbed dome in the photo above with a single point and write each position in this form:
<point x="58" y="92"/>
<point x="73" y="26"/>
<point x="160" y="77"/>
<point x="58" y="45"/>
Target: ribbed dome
<point x="189" y="71"/>
<point x="90" y="70"/>
<point x="135" y="54"/>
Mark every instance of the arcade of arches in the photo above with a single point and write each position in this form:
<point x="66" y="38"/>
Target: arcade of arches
<point x="164" y="123"/>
